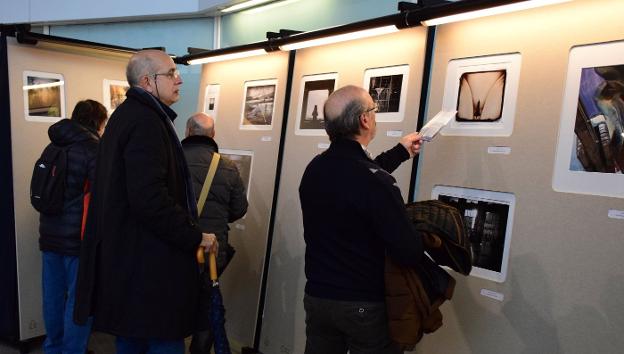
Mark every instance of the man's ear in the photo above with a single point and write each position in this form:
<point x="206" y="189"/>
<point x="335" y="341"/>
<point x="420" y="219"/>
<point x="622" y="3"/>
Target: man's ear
<point x="145" y="83"/>
<point x="365" y="121"/>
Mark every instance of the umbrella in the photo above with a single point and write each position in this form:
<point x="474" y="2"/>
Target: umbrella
<point x="216" y="315"/>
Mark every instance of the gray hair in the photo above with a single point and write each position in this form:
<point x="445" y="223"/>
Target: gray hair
<point x="347" y="124"/>
<point x="193" y="127"/>
<point x="139" y="66"/>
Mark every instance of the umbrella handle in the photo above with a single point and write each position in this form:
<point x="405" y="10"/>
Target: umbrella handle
<point x="213" y="266"/>
<point x="200" y="255"/>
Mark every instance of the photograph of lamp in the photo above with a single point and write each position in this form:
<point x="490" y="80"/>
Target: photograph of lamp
<point x="496" y="10"/>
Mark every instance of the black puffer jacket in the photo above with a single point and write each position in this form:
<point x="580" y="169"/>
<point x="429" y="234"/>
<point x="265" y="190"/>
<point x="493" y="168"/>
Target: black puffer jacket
<point x="61" y="233"/>
<point x="227" y="201"/>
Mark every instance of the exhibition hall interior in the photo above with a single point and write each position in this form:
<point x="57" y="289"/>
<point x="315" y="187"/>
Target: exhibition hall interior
<point x="521" y="104"/>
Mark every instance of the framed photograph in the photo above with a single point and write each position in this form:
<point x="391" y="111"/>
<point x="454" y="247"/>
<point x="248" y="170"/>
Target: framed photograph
<point x="258" y="105"/>
<point x="590" y="149"/>
<point x="243" y="160"/>
<point x="312" y="96"/>
<point x="388" y="88"/>
<point x="488" y="218"/>
<point x="114" y="94"/>
<point x="44" y="96"/>
<point x="483" y="91"/>
<point x="211" y="100"/>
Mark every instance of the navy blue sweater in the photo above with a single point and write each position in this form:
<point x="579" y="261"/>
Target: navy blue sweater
<point x="353" y="214"/>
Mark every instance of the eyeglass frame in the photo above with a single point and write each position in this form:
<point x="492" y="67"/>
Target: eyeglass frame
<point x="374" y="109"/>
<point x="172" y="74"/>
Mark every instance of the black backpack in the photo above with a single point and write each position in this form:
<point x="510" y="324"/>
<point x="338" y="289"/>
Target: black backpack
<point x="47" y="186"/>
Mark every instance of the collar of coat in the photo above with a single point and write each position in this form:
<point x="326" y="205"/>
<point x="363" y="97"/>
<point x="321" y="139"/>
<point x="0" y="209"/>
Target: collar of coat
<point x="152" y="101"/>
<point x="347" y="148"/>
<point x="201" y="140"/>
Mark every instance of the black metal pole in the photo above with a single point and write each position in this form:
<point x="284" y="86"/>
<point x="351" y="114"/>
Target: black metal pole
<point x="422" y="105"/>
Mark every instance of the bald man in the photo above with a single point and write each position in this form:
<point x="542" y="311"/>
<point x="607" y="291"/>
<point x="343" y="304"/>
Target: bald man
<point x="353" y="215"/>
<point x="226" y="203"/>
<point x="138" y="272"/>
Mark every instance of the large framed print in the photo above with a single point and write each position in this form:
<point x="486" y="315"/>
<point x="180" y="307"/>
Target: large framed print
<point x="590" y="148"/>
<point x="483" y="91"/>
<point x="243" y="160"/>
<point x="388" y="88"/>
<point x="488" y="218"/>
<point x="258" y="105"/>
<point x="211" y="100"/>
<point x="114" y="93"/>
<point x="44" y="96"/>
<point x="314" y="91"/>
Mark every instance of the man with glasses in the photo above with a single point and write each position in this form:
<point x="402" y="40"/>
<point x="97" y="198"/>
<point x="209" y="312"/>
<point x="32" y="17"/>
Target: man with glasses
<point x="353" y="216"/>
<point x="138" y="276"/>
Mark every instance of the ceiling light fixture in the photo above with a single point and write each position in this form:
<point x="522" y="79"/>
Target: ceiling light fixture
<point x="244" y="5"/>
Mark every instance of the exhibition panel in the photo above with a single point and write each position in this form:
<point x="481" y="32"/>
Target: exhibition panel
<point x="514" y="160"/>
<point x="246" y="98"/>
<point x="46" y="82"/>
<point x="390" y="67"/>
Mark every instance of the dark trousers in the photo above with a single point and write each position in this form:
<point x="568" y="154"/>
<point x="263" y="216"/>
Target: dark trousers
<point x="333" y="327"/>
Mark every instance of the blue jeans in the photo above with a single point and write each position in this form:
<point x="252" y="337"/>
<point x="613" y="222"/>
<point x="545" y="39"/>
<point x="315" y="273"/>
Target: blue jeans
<point x="127" y="345"/>
<point x="59" y="275"/>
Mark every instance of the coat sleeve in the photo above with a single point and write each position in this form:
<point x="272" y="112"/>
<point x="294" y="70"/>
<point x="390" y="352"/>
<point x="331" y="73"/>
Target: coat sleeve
<point x="146" y="159"/>
<point x="238" y="198"/>
<point x="390" y="160"/>
<point x="389" y="220"/>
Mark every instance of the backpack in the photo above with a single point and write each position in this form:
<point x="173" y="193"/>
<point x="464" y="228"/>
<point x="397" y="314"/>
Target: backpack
<point x="47" y="186"/>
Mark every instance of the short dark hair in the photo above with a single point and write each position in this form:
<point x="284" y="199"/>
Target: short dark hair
<point x="90" y="114"/>
<point x="347" y="124"/>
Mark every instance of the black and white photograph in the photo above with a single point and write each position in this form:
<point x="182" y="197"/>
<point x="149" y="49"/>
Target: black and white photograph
<point x="388" y="86"/>
<point x="211" y="100"/>
<point x="483" y="91"/>
<point x="480" y="97"/>
<point x="315" y="89"/>
<point x="44" y="96"/>
<point x="243" y="160"/>
<point x="590" y="150"/>
<point x="258" y="105"/>
<point x="114" y="93"/>
<point x="487" y="219"/>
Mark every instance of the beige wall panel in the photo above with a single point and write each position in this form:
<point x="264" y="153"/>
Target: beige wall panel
<point x="241" y="282"/>
<point x="564" y="283"/>
<point x="283" y="328"/>
<point x="83" y="77"/>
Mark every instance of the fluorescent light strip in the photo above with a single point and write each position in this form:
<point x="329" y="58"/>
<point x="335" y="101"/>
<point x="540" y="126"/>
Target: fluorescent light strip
<point x="340" y="37"/>
<point x="244" y="5"/>
<point x="38" y="86"/>
<point x="491" y="11"/>
<point x="270" y="6"/>
<point x="230" y="56"/>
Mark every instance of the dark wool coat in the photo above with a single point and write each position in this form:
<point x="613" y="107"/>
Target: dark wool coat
<point x="138" y="274"/>
<point x="353" y="214"/>
<point x="60" y="233"/>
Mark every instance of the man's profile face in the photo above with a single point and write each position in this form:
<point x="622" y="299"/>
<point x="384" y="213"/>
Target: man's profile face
<point x="165" y="81"/>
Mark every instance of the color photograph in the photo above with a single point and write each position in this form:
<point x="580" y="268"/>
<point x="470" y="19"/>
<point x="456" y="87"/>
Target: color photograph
<point x="44" y="96"/>
<point x="488" y="221"/>
<point x="483" y="91"/>
<point x="243" y="160"/>
<point x="258" y="105"/>
<point x="114" y="94"/>
<point x="590" y="148"/>
<point x="315" y="89"/>
<point x="388" y="88"/>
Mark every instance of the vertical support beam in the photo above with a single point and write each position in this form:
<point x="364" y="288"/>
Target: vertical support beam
<point x="423" y="105"/>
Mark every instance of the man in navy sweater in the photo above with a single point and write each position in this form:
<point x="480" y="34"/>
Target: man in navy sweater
<point x="353" y="215"/>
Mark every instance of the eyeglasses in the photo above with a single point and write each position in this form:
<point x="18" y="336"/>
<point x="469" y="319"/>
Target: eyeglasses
<point x="172" y="74"/>
<point x="374" y="109"/>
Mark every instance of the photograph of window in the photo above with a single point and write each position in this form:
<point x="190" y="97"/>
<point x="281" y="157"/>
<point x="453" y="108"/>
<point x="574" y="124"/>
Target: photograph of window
<point x="488" y="222"/>
<point x="211" y="100"/>
<point x="258" y="105"/>
<point x="388" y="88"/>
<point x="44" y="96"/>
